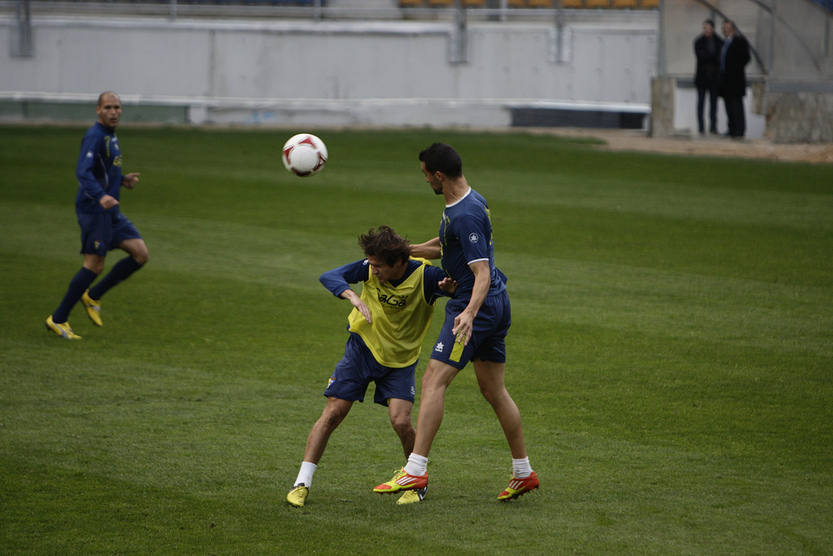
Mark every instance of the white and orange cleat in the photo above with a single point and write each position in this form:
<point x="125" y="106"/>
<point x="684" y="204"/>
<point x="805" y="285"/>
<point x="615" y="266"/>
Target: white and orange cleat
<point x="519" y="486"/>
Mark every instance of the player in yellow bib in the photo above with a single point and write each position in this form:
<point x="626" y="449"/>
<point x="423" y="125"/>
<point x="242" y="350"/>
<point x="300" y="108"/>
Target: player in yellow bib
<point x="386" y="328"/>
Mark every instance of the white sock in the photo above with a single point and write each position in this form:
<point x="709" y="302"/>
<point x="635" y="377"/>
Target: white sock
<point x="305" y="474"/>
<point x="417" y="465"/>
<point x="521" y="468"/>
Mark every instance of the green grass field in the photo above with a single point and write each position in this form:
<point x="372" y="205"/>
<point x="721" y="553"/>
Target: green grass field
<point x="671" y="353"/>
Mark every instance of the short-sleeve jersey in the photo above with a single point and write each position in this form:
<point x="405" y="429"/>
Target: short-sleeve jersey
<point x="466" y="237"/>
<point x="99" y="169"/>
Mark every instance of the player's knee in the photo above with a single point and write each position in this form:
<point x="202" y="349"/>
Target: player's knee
<point x="491" y="393"/>
<point x="94" y="264"/>
<point x="402" y="424"/>
<point x="330" y="421"/>
<point x="141" y="257"/>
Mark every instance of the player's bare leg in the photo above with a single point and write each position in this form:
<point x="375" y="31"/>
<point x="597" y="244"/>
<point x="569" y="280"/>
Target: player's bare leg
<point x="331" y="417"/>
<point x="490" y="377"/>
<point x="94" y="262"/>
<point x="435" y="382"/>
<point x="137" y="249"/>
<point x="400" y="419"/>
<point x="414" y="476"/>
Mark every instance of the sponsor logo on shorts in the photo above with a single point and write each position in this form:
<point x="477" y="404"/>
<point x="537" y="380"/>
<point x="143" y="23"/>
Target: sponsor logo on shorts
<point x="439" y="347"/>
<point x="330" y="382"/>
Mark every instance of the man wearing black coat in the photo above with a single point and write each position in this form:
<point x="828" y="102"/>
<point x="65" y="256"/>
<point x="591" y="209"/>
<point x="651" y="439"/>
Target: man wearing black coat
<point x="733" y="59"/>
<point x="707" y="47"/>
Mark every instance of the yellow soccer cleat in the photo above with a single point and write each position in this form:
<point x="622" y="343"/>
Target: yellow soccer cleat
<point x="519" y="486"/>
<point x="297" y="496"/>
<point x="93" y="308"/>
<point x="62" y="329"/>
<point x="402" y="481"/>
<point x="413" y="496"/>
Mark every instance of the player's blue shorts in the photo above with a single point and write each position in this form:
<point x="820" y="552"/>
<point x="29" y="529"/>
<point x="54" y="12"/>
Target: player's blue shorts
<point x="358" y="368"/>
<point x="488" y="340"/>
<point x="104" y="231"/>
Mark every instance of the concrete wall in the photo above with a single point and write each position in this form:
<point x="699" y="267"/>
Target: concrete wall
<point x="800" y="35"/>
<point x="682" y="21"/>
<point x="332" y="73"/>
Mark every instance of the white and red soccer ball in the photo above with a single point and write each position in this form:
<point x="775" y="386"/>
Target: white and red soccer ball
<point x="304" y="154"/>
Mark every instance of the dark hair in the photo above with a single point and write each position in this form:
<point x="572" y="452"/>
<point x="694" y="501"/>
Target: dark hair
<point x="732" y="23"/>
<point x="442" y="157"/>
<point x="709" y="22"/>
<point x="386" y="244"/>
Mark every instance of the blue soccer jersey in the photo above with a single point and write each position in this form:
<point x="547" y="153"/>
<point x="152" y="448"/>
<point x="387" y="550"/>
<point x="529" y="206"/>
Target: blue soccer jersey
<point x="466" y="237"/>
<point x="99" y="169"/>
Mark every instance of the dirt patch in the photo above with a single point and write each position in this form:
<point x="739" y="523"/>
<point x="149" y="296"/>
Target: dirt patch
<point x="630" y="140"/>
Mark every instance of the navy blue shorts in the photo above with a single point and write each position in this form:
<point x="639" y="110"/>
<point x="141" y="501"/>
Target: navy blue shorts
<point x="488" y="340"/>
<point x="104" y="231"/>
<point x="358" y="368"/>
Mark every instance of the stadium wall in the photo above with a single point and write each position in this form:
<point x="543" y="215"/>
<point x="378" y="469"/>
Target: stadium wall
<point x="302" y="72"/>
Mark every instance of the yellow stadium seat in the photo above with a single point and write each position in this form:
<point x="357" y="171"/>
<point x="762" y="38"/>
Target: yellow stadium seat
<point x="624" y="3"/>
<point x="572" y="3"/>
<point x="649" y="3"/>
<point x="474" y="3"/>
<point x="516" y="3"/>
<point x="540" y="3"/>
<point x="410" y="3"/>
<point x="441" y="3"/>
<point x="597" y="4"/>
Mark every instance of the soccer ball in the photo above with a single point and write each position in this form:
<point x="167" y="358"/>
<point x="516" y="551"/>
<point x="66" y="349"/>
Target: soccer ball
<point x="304" y="154"/>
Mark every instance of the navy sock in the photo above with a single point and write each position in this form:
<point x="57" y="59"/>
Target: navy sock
<point x="120" y="272"/>
<point x="77" y="286"/>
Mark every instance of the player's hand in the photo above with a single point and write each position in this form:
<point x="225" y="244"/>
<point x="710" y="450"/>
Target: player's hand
<point x="448" y="285"/>
<point x="108" y="201"/>
<point x="357" y="303"/>
<point x="463" y="324"/>
<point x="363" y="309"/>
<point x="130" y="180"/>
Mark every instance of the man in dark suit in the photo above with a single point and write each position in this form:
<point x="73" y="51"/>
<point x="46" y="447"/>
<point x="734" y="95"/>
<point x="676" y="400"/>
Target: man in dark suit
<point x="707" y="48"/>
<point x="733" y="59"/>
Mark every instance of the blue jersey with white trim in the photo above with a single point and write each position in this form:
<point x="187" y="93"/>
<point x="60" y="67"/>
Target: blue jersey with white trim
<point x="466" y="237"/>
<point x="99" y="169"/>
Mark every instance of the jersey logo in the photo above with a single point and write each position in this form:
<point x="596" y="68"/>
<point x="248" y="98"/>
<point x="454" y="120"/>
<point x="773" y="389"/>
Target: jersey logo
<point x="397" y="301"/>
<point x="473" y="237"/>
<point x="439" y="347"/>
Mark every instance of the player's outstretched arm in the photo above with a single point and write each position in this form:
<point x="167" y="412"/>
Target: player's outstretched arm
<point x="429" y="250"/>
